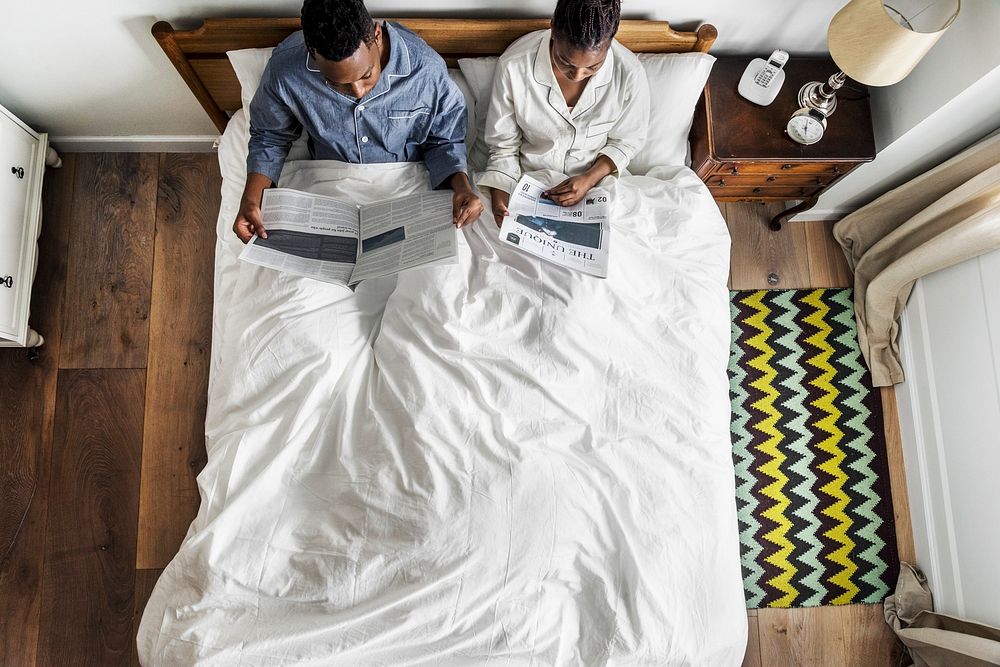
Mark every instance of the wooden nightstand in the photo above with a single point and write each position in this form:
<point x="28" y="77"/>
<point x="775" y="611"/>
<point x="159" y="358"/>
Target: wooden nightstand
<point x="740" y="150"/>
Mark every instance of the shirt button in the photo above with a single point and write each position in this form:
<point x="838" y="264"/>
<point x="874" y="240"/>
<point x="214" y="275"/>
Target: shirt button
<point x="361" y="107"/>
<point x="364" y="140"/>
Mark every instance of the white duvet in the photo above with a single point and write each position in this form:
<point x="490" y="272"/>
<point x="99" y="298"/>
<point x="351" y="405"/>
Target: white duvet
<point x="497" y="462"/>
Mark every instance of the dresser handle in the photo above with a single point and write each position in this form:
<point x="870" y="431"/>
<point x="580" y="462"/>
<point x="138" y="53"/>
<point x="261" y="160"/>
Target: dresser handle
<point x="787" y="166"/>
<point x="756" y="190"/>
<point x="835" y="170"/>
<point x="771" y="179"/>
<point x="7" y="282"/>
<point x="734" y="171"/>
<point x="721" y="183"/>
<point x="17" y="171"/>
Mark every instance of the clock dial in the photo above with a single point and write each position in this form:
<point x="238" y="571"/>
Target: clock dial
<point x="805" y="129"/>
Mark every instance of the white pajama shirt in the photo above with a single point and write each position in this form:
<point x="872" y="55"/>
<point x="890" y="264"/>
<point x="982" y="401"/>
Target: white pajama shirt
<point x="530" y="127"/>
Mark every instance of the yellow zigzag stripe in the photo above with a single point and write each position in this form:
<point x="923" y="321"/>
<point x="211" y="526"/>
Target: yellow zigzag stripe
<point x="831" y="445"/>
<point x="774" y="490"/>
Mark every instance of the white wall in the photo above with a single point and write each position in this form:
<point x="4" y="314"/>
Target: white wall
<point x="950" y="421"/>
<point x="91" y="69"/>
<point x="948" y="102"/>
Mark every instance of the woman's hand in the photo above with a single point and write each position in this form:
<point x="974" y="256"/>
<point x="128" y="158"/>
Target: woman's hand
<point x="570" y="191"/>
<point x="499" y="200"/>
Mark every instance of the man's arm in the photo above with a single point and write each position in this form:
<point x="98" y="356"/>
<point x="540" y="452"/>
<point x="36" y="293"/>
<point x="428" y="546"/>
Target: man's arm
<point x="444" y="152"/>
<point x="248" y="220"/>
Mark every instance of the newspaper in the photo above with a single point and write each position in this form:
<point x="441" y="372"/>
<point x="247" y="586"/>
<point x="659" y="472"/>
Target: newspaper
<point x="338" y="242"/>
<point x="576" y="237"/>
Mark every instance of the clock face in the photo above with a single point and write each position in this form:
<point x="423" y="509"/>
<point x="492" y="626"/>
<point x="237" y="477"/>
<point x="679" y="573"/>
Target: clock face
<point x="804" y="129"/>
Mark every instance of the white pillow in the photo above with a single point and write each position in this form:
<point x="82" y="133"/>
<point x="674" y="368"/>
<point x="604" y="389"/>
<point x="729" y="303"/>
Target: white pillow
<point x="470" y="105"/>
<point x="478" y="74"/>
<point x="676" y="81"/>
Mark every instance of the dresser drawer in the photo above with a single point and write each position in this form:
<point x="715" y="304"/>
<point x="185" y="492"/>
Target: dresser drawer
<point x="21" y="168"/>
<point x="784" y="192"/>
<point x="721" y="180"/>
<point x="834" y="170"/>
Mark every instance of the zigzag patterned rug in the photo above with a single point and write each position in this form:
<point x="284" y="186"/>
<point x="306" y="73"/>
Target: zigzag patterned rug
<point x="812" y="486"/>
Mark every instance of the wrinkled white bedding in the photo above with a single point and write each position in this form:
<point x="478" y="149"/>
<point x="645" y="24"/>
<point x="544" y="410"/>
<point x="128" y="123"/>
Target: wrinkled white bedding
<point x="498" y="462"/>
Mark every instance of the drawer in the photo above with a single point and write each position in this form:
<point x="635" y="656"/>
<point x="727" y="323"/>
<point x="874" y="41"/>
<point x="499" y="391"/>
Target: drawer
<point x="830" y="168"/>
<point x="784" y="192"/>
<point x="769" y="180"/>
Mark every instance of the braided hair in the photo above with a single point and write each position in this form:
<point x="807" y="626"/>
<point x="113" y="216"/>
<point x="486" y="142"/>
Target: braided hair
<point x="586" y="24"/>
<point x="336" y="28"/>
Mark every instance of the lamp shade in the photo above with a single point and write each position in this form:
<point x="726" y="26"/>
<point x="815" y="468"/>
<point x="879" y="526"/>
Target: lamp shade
<point x="873" y="48"/>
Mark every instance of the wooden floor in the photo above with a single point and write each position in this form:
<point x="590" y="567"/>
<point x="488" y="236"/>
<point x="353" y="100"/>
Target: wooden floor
<point x="102" y="437"/>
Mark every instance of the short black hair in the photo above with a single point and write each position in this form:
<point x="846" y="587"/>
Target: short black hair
<point x="586" y="24"/>
<point x="336" y="28"/>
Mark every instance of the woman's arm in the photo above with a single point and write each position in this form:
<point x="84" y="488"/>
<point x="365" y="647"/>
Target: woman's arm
<point x="503" y="136"/>
<point x="628" y="135"/>
<point x="572" y="190"/>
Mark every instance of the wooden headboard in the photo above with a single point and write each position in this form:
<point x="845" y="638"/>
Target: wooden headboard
<point x="200" y="55"/>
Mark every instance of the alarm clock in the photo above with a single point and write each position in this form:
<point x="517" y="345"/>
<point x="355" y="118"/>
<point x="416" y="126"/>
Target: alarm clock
<point x="806" y="126"/>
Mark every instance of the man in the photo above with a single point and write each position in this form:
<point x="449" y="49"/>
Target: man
<point x="364" y="92"/>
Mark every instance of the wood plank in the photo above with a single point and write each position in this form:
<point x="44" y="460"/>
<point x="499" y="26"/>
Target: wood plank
<point x="88" y="576"/>
<point x="110" y="261"/>
<point x="844" y="636"/>
<point x="758" y="252"/>
<point x="28" y="397"/>
<point x="827" y="265"/>
<point x="897" y="477"/>
<point x="752" y="656"/>
<point x="145" y="580"/>
<point x="180" y="344"/>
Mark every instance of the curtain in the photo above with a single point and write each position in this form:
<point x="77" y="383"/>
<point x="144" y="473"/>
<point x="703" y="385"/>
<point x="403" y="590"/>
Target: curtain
<point x="944" y="217"/>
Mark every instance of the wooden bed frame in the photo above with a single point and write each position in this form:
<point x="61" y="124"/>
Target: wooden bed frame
<point x="200" y="55"/>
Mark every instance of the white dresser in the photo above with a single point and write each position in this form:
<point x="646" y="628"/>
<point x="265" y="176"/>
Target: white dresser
<point x="22" y="164"/>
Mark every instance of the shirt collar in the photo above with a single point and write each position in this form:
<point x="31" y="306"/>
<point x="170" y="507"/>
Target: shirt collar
<point x="399" y="64"/>
<point x="543" y="66"/>
<point x="544" y="75"/>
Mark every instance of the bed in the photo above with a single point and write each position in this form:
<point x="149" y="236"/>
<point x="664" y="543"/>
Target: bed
<point x="494" y="462"/>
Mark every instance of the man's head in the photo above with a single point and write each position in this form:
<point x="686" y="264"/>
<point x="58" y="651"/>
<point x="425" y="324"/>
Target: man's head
<point x="345" y="43"/>
<point x="582" y="31"/>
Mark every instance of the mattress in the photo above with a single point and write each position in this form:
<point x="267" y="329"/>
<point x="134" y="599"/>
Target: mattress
<point x="494" y="462"/>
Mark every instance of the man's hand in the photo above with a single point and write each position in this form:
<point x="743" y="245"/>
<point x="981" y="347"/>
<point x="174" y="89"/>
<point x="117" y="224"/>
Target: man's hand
<point x="499" y="200"/>
<point x="248" y="220"/>
<point x="465" y="204"/>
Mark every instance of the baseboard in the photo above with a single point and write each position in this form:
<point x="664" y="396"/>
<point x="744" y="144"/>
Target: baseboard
<point x="822" y="214"/>
<point x="155" y="143"/>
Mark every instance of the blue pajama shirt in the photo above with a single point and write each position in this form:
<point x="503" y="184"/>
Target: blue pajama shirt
<point x="415" y="111"/>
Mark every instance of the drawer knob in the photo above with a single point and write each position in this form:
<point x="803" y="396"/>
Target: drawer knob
<point x="756" y="190"/>
<point x="721" y="183"/>
<point x="17" y="171"/>
<point x="771" y="179"/>
<point x="734" y="171"/>
<point x="787" y="166"/>
<point x="7" y="282"/>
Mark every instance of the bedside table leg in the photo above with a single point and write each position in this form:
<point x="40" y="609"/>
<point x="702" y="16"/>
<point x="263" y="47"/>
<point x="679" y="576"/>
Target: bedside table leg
<point x="784" y="215"/>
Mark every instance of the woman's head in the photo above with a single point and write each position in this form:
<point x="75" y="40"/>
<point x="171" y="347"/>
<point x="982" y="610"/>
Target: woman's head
<point x="582" y="31"/>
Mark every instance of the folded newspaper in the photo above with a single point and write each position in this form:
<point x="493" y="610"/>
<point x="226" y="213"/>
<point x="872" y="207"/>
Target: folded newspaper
<point x="576" y="237"/>
<point x="338" y="242"/>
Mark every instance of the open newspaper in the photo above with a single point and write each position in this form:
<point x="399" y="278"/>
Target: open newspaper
<point x="576" y="237"/>
<point x="338" y="242"/>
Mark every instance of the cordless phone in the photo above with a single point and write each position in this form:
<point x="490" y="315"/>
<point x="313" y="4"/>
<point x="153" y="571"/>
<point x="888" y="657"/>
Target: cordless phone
<point x="762" y="79"/>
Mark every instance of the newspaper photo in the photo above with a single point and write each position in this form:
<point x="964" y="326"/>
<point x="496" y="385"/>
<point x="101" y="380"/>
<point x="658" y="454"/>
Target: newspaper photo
<point x="338" y="242"/>
<point x="576" y="237"/>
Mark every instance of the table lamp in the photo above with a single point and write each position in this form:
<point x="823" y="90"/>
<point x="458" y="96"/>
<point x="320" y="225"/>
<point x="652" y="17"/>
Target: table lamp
<point x="878" y="43"/>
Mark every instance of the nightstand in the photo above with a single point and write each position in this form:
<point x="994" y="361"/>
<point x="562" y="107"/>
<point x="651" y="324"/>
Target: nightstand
<point x="740" y="150"/>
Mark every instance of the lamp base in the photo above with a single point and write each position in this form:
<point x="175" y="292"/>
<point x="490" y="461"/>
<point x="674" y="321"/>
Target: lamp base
<point x="822" y="96"/>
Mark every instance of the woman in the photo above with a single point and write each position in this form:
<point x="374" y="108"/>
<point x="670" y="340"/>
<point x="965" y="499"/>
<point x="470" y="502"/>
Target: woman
<point x="570" y="99"/>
